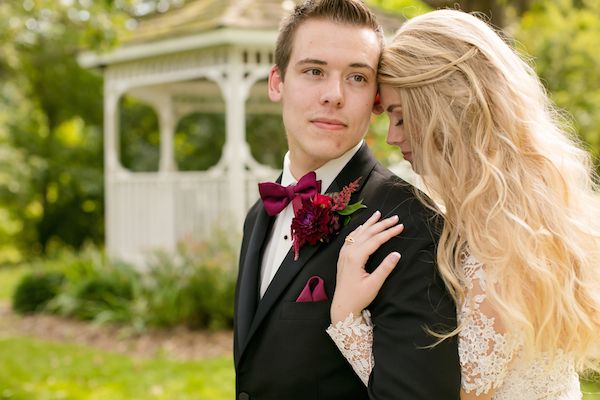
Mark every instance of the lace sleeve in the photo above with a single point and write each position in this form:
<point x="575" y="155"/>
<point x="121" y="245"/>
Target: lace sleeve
<point x="354" y="338"/>
<point x="484" y="347"/>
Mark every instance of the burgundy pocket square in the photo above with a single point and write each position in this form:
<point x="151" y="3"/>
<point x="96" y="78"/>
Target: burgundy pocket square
<point x="313" y="291"/>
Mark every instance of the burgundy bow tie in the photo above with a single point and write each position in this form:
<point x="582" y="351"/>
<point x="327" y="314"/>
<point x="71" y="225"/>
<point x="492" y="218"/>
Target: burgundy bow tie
<point x="276" y="197"/>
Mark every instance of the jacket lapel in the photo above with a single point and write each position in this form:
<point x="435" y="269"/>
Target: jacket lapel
<point x="360" y="165"/>
<point x="249" y="280"/>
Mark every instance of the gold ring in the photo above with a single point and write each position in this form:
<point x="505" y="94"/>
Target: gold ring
<point x="349" y="239"/>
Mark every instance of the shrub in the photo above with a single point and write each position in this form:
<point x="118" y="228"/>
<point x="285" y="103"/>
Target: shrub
<point x="211" y="288"/>
<point x="211" y="292"/>
<point x="35" y="290"/>
<point x="100" y="294"/>
<point x="95" y="290"/>
<point x="160" y="299"/>
<point x="195" y="287"/>
<point x="103" y="289"/>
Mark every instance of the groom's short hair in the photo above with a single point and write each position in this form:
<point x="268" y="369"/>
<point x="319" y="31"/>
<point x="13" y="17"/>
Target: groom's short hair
<point x="350" y="12"/>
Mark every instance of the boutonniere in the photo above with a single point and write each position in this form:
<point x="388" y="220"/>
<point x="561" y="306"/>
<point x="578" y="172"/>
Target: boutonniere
<point x="319" y="218"/>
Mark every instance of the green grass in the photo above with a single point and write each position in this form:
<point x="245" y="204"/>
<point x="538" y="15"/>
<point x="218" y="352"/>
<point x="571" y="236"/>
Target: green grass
<point x="37" y="370"/>
<point x="9" y="278"/>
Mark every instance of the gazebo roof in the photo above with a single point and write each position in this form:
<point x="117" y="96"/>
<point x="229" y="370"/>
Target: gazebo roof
<point x="204" y="23"/>
<point x="206" y="15"/>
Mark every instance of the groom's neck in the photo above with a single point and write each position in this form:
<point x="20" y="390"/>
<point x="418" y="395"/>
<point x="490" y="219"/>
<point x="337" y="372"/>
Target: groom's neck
<point x="300" y="167"/>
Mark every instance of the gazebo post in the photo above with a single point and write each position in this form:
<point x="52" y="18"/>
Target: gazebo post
<point x="111" y="158"/>
<point x="111" y="128"/>
<point x="167" y="123"/>
<point x="235" y="93"/>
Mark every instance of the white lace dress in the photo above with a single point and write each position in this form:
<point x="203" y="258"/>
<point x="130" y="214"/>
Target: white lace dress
<point x="490" y="358"/>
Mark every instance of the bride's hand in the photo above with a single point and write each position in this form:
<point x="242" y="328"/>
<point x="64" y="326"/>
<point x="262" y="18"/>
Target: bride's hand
<point x="355" y="287"/>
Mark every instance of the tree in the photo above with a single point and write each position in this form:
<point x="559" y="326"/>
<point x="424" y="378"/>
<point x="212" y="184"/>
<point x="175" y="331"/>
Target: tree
<point x="404" y="8"/>
<point x="562" y="36"/>
<point x="52" y="125"/>
<point x="499" y="12"/>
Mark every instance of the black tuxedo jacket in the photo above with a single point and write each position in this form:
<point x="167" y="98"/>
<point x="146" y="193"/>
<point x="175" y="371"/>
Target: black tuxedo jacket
<point x="281" y="349"/>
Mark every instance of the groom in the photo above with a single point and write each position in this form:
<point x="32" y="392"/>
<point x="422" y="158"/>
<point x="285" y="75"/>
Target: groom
<point x="325" y="77"/>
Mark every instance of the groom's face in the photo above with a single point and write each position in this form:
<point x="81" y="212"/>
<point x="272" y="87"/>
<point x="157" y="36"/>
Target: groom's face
<point x="328" y="91"/>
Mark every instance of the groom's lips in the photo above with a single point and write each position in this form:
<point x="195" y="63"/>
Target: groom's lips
<point x="329" y="124"/>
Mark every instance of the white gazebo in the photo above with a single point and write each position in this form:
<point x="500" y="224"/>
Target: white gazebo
<point x="210" y="56"/>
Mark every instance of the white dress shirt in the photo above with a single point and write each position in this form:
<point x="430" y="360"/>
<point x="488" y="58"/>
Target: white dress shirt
<point x="279" y="241"/>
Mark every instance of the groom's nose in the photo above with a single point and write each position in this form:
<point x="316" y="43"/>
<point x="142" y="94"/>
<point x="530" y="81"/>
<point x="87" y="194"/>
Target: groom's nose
<point x="333" y="92"/>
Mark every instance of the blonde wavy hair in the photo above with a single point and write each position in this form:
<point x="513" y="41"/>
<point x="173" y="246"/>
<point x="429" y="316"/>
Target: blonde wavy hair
<point x="518" y="191"/>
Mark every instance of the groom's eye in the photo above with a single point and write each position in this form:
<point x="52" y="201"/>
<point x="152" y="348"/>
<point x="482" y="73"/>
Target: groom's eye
<point x="313" y="72"/>
<point x="358" y="78"/>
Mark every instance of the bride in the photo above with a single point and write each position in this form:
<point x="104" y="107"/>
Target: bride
<point x="520" y="246"/>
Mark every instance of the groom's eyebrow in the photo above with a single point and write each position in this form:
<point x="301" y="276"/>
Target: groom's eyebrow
<point x="311" y="61"/>
<point x="363" y="65"/>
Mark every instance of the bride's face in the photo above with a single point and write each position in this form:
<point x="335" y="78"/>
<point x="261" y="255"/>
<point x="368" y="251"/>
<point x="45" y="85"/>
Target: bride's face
<point x="392" y="105"/>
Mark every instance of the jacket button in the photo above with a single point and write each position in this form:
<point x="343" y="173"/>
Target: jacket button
<point x="244" y="396"/>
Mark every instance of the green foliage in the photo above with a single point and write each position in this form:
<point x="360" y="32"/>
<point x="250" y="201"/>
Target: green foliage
<point x="199" y="141"/>
<point x="10" y="278"/>
<point x="103" y="289"/>
<point x="33" y="369"/>
<point x="563" y="37"/>
<point x="35" y="291"/>
<point x="406" y="8"/>
<point x="266" y="136"/>
<point x="51" y="123"/>
<point x="102" y="293"/>
<point x="194" y="287"/>
<point x="94" y="290"/>
<point x="139" y="135"/>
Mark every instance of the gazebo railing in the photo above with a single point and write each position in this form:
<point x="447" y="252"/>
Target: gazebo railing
<point x="147" y="211"/>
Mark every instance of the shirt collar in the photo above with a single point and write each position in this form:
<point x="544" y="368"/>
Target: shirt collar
<point x="326" y="173"/>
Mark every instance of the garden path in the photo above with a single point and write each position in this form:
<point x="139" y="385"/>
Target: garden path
<point x="177" y="343"/>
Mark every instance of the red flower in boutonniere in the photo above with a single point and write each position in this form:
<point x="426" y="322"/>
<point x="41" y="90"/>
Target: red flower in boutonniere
<point x="317" y="219"/>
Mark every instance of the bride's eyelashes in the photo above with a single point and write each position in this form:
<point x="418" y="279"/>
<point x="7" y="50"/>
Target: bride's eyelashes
<point x="400" y="122"/>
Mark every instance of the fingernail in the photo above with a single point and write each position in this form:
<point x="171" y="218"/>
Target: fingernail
<point x="376" y="212"/>
<point x="394" y="217"/>
<point x="396" y="256"/>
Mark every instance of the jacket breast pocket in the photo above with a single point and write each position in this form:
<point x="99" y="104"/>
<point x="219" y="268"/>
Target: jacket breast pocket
<point x="313" y="310"/>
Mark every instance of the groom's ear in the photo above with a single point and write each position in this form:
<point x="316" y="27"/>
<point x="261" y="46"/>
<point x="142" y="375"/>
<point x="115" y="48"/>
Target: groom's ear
<point x="275" y="84"/>
<point x="377" y="107"/>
